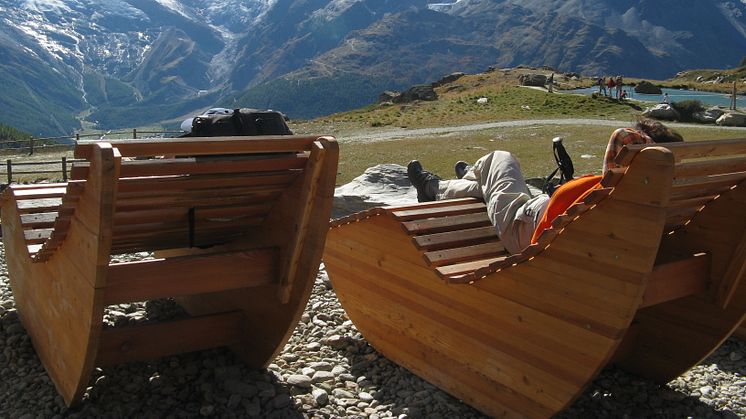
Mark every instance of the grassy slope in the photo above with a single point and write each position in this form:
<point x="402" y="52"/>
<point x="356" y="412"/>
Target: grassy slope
<point x="457" y="105"/>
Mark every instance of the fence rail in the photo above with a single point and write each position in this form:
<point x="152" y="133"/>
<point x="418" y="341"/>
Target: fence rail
<point x="33" y="144"/>
<point x="64" y="170"/>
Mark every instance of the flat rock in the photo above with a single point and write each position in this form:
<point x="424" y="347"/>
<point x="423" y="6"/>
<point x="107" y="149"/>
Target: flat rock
<point x="383" y="184"/>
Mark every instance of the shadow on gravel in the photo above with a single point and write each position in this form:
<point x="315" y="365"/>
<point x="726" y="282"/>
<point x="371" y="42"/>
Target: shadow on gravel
<point x="204" y="384"/>
<point x="614" y="394"/>
<point x="217" y="384"/>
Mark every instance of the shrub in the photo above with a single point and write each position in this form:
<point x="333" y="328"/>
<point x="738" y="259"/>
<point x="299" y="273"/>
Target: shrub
<point x="687" y="109"/>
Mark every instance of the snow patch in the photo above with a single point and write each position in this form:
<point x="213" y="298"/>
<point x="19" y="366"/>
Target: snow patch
<point x="42" y="6"/>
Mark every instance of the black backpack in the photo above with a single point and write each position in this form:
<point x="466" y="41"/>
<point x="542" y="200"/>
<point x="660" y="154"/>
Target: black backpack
<point x="240" y="122"/>
<point x="564" y="167"/>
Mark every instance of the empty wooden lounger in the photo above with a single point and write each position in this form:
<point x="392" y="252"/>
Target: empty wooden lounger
<point x="648" y="272"/>
<point x="239" y="224"/>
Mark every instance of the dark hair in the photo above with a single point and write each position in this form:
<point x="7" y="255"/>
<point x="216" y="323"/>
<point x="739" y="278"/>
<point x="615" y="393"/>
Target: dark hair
<point x="657" y="131"/>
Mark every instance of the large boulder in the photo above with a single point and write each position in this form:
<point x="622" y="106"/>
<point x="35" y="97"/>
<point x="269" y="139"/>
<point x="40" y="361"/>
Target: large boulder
<point x="383" y="184"/>
<point x="533" y="79"/>
<point x="662" y="111"/>
<point x="732" y="119"/>
<point x="708" y="116"/>
<point x="646" y="87"/>
<point x="448" y="79"/>
<point x="418" y="92"/>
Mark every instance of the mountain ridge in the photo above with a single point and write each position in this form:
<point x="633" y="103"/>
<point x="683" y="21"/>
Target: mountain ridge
<point x="134" y="62"/>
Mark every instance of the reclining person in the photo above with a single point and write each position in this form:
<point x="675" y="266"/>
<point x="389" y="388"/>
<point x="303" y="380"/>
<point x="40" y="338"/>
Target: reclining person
<point x="496" y="179"/>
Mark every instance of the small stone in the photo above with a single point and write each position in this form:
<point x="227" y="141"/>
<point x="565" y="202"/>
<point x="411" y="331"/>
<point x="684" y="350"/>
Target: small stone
<point x="364" y="396"/>
<point x="320" y="376"/>
<point x="308" y="371"/>
<point x="336" y="341"/>
<point x="280" y="401"/>
<point x="735" y="356"/>
<point x="299" y="380"/>
<point x="313" y="346"/>
<point x="342" y="394"/>
<point x="320" y="396"/>
<point x="321" y="366"/>
<point x="337" y="370"/>
<point x="207" y="410"/>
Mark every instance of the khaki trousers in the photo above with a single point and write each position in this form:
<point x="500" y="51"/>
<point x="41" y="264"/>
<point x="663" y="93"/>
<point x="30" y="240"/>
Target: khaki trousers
<point x="497" y="179"/>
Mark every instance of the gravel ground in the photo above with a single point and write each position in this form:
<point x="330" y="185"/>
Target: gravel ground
<point x="326" y="370"/>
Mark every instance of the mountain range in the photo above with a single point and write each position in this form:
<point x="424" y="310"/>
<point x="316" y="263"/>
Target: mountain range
<point x="127" y="63"/>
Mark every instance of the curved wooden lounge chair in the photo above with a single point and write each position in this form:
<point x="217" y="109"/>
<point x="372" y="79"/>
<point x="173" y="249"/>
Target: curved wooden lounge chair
<point x="239" y="225"/>
<point x="648" y="272"/>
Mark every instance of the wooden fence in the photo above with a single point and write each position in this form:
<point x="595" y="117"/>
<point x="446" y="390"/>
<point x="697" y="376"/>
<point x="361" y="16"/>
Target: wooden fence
<point x="34" y="144"/>
<point x="18" y="168"/>
<point x="42" y="167"/>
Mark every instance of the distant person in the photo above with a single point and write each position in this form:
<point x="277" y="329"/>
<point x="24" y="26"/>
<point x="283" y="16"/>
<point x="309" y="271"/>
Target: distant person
<point x="602" y="86"/>
<point x="610" y="84"/>
<point x="624" y="95"/>
<point x="550" y="82"/>
<point x="665" y="99"/>
<point x="518" y="216"/>
<point x="619" y="85"/>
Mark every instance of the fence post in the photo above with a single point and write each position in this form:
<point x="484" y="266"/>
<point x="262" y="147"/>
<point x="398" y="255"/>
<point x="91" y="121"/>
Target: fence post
<point x="9" y="170"/>
<point x="31" y="146"/>
<point x="64" y="168"/>
<point x="733" y="98"/>
<point x="134" y="133"/>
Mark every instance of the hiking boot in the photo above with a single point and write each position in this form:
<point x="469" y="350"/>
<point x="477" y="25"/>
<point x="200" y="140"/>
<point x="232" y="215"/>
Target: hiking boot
<point x="461" y="168"/>
<point x="425" y="182"/>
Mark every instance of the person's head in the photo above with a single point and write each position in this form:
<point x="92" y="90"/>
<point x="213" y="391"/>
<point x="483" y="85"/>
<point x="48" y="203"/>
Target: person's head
<point x="657" y="131"/>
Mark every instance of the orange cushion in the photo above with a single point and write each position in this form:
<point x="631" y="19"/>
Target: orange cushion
<point x="566" y="195"/>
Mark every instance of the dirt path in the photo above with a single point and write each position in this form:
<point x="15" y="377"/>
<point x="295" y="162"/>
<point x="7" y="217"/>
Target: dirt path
<point x="398" y="133"/>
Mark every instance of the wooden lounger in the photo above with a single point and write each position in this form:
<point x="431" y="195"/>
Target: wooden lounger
<point x="648" y="272"/>
<point x="239" y="224"/>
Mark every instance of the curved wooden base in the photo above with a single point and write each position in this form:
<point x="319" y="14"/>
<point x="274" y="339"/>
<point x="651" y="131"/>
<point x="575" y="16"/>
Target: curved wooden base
<point x="245" y="289"/>
<point x="63" y="318"/>
<point x="526" y="333"/>
<point x="525" y="339"/>
<point x="673" y="337"/>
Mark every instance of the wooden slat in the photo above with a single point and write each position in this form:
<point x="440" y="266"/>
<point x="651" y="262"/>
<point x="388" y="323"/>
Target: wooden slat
<point x="455" y="238"/>
<point x="189" y="275"/>
<point x="461" y="254"/>
<point x="688" y="150"/>
<point x="467" y="267"/>
<point x="203" y="146"/>
<point x="18" y="187"/>
<point x="37" y="236"/>
<point x="443" y="224"/>
<point x="38" y="220"/>
<point x="709" y="167"/>
<point x="147" y="203"/>
<point x="420" y="213"/>
<point x="432" y="204"/>
<point x="39" y="207"/>
<point x="206" y="181"/>
<point x="39" y="193"/>
<point x="308" y="198"/>
<point x="201" y="214"/>
<point x="677" y="279"/>
<point x="184" y="166"/>
<point x="139" y="343"/>
<point x="700" y="187"/>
